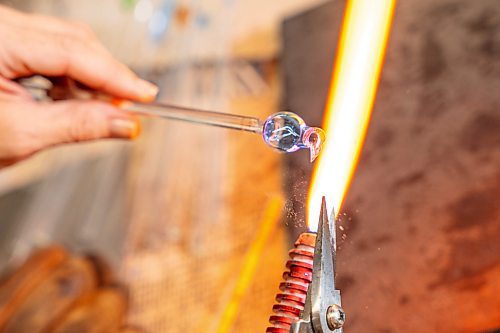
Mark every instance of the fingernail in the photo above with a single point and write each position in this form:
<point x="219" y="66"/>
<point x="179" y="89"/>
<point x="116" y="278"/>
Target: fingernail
<point x="124" y="128"/>
<point x="148" y="91"/>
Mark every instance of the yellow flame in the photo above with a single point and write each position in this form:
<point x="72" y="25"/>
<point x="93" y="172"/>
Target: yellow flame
<point x="360" y="55"/>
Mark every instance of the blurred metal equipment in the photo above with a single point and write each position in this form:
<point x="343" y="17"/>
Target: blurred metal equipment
<point x="310" y="302"/>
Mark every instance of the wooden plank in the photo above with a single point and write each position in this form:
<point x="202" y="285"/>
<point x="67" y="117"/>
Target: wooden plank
<point x="104" y="312"/>
<point x="130" y="330"/>
<point x="16" y="288"/>
<point x="71" y="283"/>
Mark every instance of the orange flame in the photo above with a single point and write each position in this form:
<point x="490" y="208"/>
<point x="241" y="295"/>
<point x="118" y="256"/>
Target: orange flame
<point x="360" y="55"/>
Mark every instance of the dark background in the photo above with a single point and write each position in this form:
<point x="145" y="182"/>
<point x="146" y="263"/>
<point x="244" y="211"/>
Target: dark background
<point x="421" y="247"/>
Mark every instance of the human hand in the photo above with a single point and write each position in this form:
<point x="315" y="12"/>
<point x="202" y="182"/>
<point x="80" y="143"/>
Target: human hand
<point x="34" y="44"/>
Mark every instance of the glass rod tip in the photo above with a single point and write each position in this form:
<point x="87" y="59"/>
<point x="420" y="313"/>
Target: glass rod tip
<point x="287" y="132"/>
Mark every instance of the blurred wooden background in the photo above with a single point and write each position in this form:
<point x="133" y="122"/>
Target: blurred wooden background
<point x="176" y="210"/>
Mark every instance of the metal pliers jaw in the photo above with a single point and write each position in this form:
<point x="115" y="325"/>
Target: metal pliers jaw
<point x="322" y="312"/>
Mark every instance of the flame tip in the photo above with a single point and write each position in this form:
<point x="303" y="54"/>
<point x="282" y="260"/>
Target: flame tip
<point x="360" y="54"/>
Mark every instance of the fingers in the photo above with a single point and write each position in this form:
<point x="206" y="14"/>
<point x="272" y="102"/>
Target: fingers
<point x="13" y="90"/>
<point x="76" y="121"/>
<point x="60" y="55"/>
<point x="62" y="48"/>
<point x="27" y="127"/>
<point x="41" y="22"/>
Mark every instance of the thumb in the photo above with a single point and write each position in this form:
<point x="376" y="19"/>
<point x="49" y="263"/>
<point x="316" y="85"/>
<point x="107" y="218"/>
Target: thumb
<point x="76" y="121"/>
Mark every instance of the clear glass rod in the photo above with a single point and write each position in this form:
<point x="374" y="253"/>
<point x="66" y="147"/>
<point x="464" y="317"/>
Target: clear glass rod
<point x="219" y="119"/>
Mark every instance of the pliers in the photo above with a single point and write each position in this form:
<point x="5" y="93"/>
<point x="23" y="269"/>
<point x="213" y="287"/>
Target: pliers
<point x="322" y="312"/>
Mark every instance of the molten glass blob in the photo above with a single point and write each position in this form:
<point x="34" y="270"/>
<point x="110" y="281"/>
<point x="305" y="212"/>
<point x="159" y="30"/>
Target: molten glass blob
<point x="287" y="132"/>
